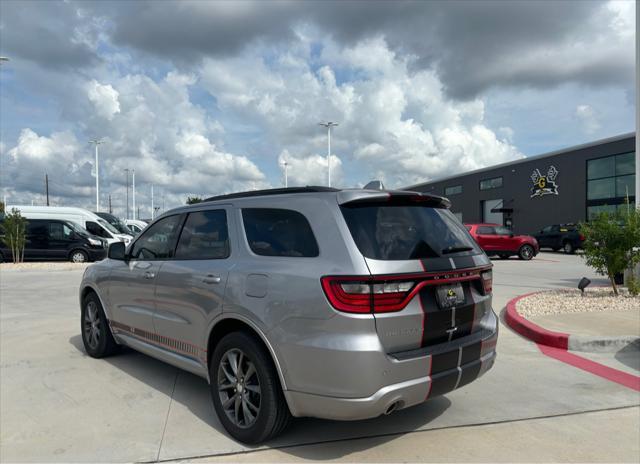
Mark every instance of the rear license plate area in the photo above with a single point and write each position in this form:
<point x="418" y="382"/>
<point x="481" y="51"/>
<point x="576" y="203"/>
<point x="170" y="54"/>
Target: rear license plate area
<point x="450" y="296"/>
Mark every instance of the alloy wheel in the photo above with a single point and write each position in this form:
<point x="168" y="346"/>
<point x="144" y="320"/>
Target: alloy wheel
<point x="92" y="325"/>
<point x="527" y="252"/>
<point x="78" y="257"/>
<point x="239" y="388"/>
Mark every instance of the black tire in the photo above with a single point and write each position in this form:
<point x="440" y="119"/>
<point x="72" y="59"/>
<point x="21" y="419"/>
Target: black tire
<point x="504" y="256"/>
<point x="103" y="344"/>
<point x="555" y="249"/>
<point x="1" y="257"/>
<point x="526" y="252"/>
<point x="273" y="414"/>
<point x="568" y="248"/>
<point x="78" y="256"/>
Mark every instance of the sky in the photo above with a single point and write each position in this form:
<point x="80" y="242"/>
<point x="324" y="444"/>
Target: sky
<point x="205" y="98"/>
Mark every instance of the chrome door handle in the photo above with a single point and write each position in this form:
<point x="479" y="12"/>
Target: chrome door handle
<point x="211" y="279"/>
<point x="149" y="275"/>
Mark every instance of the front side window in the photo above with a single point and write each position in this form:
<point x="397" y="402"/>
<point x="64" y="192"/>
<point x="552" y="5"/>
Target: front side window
<point x="157" y="241"/>
<point x="487" y="184"/>
<point x="279" y="232"/>
<point x="59" y="231"/>
<point x="406" y="232"/>
<point x="547" y="229"/>
<point x="485" y="230"/>
<point x="95" y="229"/>
<point x="502" y="231"/>
<point x="204" y="236"/>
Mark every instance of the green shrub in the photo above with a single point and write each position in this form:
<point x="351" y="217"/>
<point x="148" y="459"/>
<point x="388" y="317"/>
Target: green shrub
<point x="633" y="285"/>
<point x="612" y="243"/>
<point x="13" y="229"/>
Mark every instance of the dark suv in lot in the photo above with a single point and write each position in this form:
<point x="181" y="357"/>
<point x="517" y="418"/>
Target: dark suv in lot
<point x="560" y="236"/>
<point x="54" y="239"/>
<point x="337" y="304"/>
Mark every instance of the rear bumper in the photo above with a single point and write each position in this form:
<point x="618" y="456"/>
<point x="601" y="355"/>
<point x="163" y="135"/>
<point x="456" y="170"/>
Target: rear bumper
<point x="479" y="356"/>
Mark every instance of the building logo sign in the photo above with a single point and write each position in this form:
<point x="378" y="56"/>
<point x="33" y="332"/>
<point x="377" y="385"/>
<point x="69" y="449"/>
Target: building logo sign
<point x="544" y="184"/>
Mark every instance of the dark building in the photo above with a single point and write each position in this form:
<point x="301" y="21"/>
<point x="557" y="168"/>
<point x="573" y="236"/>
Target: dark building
<point x="563" y="186"/>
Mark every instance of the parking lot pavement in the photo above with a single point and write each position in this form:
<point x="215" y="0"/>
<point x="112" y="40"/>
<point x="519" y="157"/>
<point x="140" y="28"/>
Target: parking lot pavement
<point x="60" y="405"/>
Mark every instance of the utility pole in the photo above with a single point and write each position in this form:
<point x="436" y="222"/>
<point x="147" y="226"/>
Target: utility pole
<point x="152" y="209"/>
<point x="329" y="125"/>
<point x="97" y="142"/>
<point x="110" y="208"/>
<point x="134" y="193"/>
<point x="46" y="186"/>
<point x="127" y="188"/>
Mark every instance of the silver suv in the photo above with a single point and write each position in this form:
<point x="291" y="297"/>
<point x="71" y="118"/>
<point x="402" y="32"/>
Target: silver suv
<point x="338" y="304"/>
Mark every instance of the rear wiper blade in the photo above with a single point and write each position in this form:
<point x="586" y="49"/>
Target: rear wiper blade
<point x="448" y="250"/>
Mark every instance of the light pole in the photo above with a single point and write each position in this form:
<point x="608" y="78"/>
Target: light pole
<point x="152" y="208"/>
<point x="329" y="125"/>
<point x="127" y="188"/>
<point x="133" y="171"/>
<point x="286" y="173"/>
<point x="97" y="142"/>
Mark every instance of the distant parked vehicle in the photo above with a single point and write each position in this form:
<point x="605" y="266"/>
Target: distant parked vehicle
<point x="115" y="221"/>
<point x="500" y="241"/>
<point x="135" y="225"/>
<point x="53" y="239"/>
<point x="95" y="225"/>
<point x="560" y="236"/>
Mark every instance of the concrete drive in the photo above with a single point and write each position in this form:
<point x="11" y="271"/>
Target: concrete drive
<point x="58" y="404"/>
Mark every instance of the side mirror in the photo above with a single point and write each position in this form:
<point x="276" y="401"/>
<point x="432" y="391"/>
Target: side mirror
<point x="117" y="251"/>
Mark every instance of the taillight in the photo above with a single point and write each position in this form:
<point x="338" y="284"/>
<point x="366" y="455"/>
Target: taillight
<point x="487" y="282"/>
<point x="366" y="296"/>
<point x="581" y="237"/>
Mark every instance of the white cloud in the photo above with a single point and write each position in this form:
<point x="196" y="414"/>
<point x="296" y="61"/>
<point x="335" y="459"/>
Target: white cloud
<point x="104" y="99"/>
<point x="310" y="169"/>
<point x="588" y="118"/>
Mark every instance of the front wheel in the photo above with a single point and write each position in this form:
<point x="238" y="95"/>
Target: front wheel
<point x="526" y="252"/>
<point x="568" y="248"/>
<point x="78" y="256"/>
<point x="246" y="391"/>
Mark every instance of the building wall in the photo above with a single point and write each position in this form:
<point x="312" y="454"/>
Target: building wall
<point x="530" y="214"/>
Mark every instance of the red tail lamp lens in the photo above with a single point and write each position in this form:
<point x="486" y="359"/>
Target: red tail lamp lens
<point x="366" y="296"/>
<point x="487" y="282"/>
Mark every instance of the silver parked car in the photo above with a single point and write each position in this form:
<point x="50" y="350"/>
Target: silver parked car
<point x="338" y="304"/>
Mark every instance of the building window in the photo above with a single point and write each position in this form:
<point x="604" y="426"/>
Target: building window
<point x="493" y="183"/>
<point x="453" y="190"/>
<point x="610" y="180"/>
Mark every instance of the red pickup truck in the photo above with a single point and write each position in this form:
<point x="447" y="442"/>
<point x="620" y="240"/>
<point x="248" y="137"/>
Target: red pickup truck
<point x="498" y="240"/>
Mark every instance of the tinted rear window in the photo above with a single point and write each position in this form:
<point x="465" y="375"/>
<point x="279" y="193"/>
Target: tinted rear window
<point x="279" y="232"/>
<point x="204" y="236"/>
<point x="407" y="232"/>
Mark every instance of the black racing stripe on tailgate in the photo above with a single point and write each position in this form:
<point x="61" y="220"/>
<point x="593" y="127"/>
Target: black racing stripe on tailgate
<point x="444" y="383"/>
<point x="444" y="361"/>
<point x="463" y="262"/>
<point x="471" y="353"/>
<point x="436" y="264"/>
<point x="470" y="373"/>
<point x="436" y="323"/>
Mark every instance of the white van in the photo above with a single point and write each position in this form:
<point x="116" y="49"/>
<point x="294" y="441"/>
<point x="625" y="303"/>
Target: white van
<point x="94" y="224"/>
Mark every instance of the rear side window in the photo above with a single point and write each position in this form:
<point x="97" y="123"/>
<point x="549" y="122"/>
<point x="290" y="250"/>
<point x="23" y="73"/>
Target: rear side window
<point x="407" y="232"/>
<point x="279" y="232"/>
<point x="484" y="230"/>
<point x="204" y="236"/>
<point x="158" y="240"/>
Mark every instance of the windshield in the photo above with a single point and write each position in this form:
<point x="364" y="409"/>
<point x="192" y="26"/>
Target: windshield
<point x="108" y="226"/>
<point x="76" y="228"/>
<point x="407" y="232"/>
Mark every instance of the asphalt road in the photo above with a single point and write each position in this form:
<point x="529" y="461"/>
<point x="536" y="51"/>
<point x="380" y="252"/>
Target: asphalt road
<point x="57" y="404"/>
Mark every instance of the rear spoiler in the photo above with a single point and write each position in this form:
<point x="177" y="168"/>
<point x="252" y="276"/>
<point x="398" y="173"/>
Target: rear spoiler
<point x="392" y="197"/>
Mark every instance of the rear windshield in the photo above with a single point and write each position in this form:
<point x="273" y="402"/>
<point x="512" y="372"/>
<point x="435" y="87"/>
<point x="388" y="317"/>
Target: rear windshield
<point x="407" y="232"/>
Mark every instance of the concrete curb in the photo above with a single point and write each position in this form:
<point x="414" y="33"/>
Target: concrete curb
<point x="564" y="341"/>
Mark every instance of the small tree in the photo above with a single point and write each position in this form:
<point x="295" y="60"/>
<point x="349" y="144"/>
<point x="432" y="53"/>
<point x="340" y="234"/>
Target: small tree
<point x="612" y="243"/>
<point x="14" y="228"/>
<point x="193" y="200"/>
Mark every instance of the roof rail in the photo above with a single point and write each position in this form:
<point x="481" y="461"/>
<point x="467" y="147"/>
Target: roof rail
<point x="275" y="191"/>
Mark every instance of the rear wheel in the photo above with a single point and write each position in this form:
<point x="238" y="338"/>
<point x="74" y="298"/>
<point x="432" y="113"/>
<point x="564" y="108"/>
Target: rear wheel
<point x="526" y="252"/>
<point x="96" y="335"/>
<point x="78" y="256"/>
<point x="568" y="248"/>
<point x="246" y="391"/>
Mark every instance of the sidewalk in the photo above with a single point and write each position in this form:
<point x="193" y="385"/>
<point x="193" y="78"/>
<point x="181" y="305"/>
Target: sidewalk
<point x="606" y="323"/>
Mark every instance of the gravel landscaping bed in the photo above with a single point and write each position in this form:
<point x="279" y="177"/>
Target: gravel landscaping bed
<point x="572" y="301"/>
<point x="43" y="266"/>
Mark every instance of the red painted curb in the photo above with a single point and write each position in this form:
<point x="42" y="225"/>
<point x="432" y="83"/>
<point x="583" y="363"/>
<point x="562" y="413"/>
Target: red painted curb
<point x="533" y="331"/>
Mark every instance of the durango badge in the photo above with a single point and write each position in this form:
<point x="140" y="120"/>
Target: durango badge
<point x="544" y="185"/>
